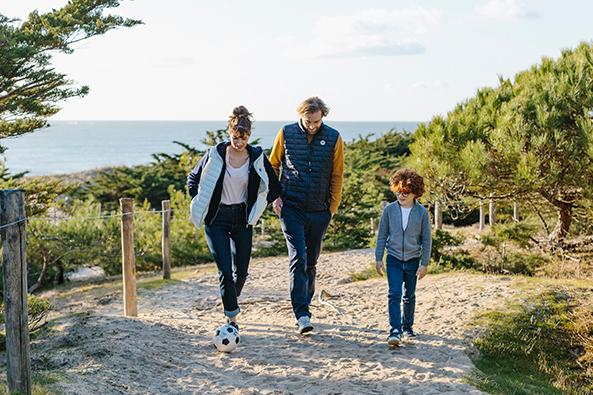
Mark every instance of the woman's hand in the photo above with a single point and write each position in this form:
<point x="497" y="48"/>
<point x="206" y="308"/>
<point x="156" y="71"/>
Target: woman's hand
<point x="277" y="206"/>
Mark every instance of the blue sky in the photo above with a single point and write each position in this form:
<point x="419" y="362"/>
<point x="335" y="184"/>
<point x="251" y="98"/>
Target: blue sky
<point x="370" y="61"/>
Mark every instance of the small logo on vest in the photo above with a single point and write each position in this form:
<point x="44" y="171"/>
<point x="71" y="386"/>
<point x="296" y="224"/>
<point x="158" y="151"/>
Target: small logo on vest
<point x="322" y="142"/>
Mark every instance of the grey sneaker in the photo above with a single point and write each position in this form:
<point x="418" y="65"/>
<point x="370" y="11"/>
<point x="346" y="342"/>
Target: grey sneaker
<point x="409" y="333"/>
<point x="394" y="339"/>
<point x="304" y="325"/>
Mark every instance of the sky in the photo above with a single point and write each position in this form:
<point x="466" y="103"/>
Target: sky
<point x="372" y="60"/>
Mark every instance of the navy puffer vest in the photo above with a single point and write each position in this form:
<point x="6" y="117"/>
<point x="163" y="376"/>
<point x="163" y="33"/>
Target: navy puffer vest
<point x="307" y="168"/>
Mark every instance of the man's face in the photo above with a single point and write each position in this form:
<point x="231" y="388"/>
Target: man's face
<point x="312" y="122"/>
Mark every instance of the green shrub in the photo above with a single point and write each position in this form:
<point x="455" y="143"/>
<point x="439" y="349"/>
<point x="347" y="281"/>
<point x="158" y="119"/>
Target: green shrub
<point x="38" y="309"/>
<point x="440" y="240"/>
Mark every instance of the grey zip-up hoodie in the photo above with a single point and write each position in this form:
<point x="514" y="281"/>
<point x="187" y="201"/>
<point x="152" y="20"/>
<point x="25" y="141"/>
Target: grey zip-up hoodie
<point x="413" y="242"/>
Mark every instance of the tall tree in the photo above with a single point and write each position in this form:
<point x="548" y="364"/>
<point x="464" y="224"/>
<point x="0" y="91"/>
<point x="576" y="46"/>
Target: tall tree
<point x="30" y="87"/>
<point x="528" y="139"/>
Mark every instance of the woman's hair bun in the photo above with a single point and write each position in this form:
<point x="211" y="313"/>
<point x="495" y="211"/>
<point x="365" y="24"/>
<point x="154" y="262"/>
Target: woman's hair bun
<point x="240" y="121"/>
<point x="241" y="111"/>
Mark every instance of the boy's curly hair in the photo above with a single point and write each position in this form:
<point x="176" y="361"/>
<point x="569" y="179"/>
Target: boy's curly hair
<point x="406" y="181"/>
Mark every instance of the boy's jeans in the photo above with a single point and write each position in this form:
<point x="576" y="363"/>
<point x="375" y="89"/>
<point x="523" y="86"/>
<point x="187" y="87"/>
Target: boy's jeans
<point x="304" y="231"/>
<point x="401" y="276"/>
<point x="230" y="239"/>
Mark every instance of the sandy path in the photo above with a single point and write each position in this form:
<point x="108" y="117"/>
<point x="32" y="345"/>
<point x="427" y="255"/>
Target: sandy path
<point x="168" y="350"/>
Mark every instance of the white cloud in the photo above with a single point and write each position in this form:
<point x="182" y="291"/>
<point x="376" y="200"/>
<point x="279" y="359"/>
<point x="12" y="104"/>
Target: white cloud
<point x="373" y="33"/>
<point x="506" y="10"/>
<point x="437" y="84"/>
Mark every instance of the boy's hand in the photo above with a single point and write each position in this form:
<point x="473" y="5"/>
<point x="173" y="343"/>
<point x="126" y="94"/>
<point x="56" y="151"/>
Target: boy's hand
<point x="379" y="267"/>
<point x="421" y="272"/>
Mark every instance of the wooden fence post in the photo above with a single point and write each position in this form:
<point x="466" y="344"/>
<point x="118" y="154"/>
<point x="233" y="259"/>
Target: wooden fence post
<point x="128" y="257"/>
<point x="166" y="242"/>
<point x="438" y="215"/>
<point x="492" y="213"/>
<point x="482" y="216"/>
<point x="14" y="265"/>
<point x="263" y="229"/>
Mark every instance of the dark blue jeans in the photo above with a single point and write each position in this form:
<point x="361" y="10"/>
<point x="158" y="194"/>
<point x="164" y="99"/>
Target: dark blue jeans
<point x="304" y="232"/>
<point x="401" y="276"/>
<point x="230" y="239"/>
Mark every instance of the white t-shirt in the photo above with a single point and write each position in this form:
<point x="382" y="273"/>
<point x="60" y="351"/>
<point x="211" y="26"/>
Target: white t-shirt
<point x="405" y="216"/>
<point x="234" y="185"/>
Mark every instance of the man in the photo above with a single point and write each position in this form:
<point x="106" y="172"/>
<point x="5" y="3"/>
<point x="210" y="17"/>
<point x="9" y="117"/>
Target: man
<point x="309" y="157"/>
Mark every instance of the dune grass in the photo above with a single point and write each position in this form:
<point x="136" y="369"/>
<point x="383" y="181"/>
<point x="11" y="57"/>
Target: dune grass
<point x="540" y="345"/>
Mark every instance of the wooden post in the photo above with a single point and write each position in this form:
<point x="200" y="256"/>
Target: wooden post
<point x="482" y="216"/>
<point x="438" y="215"/>
<point x="14" y="245"/>
<point x="128" y="258"/>
<point x="263" y="229"/>
<point x="492" y="213"/>
<point x="166" y="243"/>
<point x="516" y="212"/>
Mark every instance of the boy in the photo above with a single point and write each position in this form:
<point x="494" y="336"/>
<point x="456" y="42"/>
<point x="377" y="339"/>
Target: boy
<point x="405" y="232"/>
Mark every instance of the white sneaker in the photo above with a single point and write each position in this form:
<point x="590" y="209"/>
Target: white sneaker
<point x="304" y="325"/>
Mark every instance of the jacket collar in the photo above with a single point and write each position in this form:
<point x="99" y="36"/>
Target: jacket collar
<point x="254" y="152"/>
<point x="413" y="206"/>
<point x="300" y="123"/>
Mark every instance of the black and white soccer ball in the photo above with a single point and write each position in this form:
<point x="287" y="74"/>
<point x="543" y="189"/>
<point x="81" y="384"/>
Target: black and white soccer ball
<point x="226" y="338"/>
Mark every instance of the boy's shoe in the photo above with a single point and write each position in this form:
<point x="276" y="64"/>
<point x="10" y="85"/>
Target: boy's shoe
<point x="394" y="339"/>
<point x="409" y="333"/>
<point x="233" y="324"/>
<point x="304" y="325"/>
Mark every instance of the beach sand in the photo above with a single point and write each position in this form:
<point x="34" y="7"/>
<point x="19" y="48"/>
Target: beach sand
<point x="167" y="349"/>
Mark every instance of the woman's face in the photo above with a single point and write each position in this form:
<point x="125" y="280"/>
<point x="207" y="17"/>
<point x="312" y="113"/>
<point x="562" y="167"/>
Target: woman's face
<point x="405" y="199"/>
<point x="239" y="140"/>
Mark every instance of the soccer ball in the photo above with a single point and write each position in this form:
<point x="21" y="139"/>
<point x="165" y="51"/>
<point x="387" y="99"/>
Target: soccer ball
<point x="226" y="338"/>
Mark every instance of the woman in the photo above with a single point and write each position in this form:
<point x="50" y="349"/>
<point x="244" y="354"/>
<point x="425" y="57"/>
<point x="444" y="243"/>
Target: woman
<point x="230" y="189"/>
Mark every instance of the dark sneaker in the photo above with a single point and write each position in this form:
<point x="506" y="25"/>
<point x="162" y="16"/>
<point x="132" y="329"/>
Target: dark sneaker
<point x="409" y="333"/>
<point x="394" y="339"/>
<point x="233" y="324"/>
<point x="304" y="325"/>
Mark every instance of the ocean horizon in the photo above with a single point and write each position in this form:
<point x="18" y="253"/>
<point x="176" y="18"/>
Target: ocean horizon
<point x="75" y="146"/>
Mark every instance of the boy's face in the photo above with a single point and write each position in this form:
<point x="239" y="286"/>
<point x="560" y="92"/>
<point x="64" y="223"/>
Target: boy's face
<point x="406" y="199"/>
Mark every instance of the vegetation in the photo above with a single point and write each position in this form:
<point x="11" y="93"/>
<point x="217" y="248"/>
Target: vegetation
<point x="529" y="139"/>
<point x="543" y="345"/>
<point x="38" y="310"/>
<point x="30" y="87"/>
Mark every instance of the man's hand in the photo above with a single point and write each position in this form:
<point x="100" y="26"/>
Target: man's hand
<point x="421" y="272"/>
<point x="277" y="206"/>
<point x="379" y="267"/>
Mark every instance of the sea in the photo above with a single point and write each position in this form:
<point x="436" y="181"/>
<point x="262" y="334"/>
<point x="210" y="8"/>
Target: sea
<point x="75" y="146"/>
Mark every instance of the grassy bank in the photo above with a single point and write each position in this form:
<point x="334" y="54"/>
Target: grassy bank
<point x="542" y="344"/>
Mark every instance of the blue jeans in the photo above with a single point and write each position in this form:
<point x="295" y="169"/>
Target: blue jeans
<point x="401" y="276"/>
<point x="230" y="239"/>
<point x="304" y="232"/>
